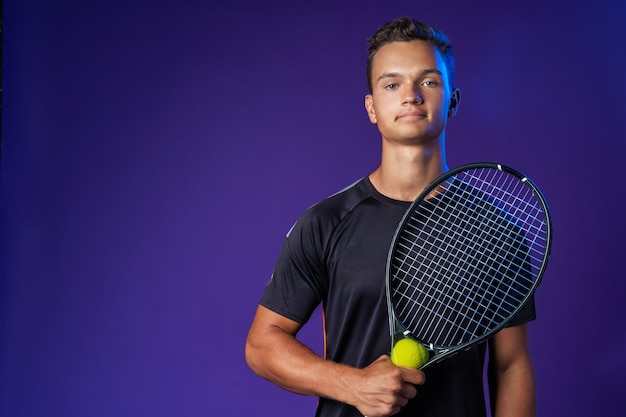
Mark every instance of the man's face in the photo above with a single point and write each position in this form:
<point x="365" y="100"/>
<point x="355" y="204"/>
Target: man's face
<point x="411" y="98"/>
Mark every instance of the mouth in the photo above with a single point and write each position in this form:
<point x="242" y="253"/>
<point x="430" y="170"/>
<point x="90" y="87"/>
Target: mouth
<point x="412" y="115"/>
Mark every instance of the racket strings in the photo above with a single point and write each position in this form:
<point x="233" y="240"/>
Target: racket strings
<point x="463" y="264"/>
<point x="519" y="200"/>
<point x="451" y="293"/>
<point x="445" y="299"/>
<point x="515" y="199"/>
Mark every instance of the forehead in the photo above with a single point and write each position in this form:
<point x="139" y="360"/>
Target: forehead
<point x="409" y="56"/>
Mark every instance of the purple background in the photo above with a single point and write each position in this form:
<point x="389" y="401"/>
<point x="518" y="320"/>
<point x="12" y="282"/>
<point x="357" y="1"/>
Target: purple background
<point x="155" y="153"/>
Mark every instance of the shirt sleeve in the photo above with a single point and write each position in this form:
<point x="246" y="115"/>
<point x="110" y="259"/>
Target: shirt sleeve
<point x="297" y="284"/>
<point x="526" y="314"/>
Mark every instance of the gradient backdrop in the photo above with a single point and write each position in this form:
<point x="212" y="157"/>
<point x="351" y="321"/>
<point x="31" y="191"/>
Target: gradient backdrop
<point x="155" y="153"/>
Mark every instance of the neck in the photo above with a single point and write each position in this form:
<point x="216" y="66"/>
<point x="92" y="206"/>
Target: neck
<point x="404" y="172"/>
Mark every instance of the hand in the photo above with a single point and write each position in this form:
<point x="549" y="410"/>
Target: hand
<point x="384" y="388"/>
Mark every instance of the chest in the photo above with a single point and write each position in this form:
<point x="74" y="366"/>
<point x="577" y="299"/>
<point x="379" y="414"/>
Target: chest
<point x="357" y="258"/>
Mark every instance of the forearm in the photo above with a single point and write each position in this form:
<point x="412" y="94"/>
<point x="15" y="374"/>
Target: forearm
<point x="274" y="353"/>
<point x="282" y="359"/>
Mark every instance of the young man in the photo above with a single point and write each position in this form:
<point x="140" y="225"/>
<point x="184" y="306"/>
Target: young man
<point x="336" y="254"/>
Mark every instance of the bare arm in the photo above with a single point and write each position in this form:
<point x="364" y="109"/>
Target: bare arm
<point x="511" y="374"/>
<point x="274" y="353"/>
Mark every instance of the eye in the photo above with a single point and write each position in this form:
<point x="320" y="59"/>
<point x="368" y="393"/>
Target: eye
<point x="390" y="86"/>
<point x="430" y="83"/>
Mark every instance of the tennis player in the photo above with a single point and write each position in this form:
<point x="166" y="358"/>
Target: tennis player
<point x="336" y="255"/>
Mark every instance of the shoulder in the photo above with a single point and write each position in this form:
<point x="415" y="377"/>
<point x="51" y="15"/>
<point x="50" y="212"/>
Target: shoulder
<point x="329" y="212"/>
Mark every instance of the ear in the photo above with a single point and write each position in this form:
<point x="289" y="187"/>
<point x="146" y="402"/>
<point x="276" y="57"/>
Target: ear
<point x="455" y="101"/>
<point x="369" y="106"/>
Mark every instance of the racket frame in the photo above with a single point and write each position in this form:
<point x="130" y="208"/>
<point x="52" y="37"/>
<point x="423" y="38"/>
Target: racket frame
<point x="398" y="329"/>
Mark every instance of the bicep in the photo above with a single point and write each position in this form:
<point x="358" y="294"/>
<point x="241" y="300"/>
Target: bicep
<point x="267" y="321"/>
<point x="269" y="331"/>
<point x="509" y="347"/>
<point x="511" y="373"/>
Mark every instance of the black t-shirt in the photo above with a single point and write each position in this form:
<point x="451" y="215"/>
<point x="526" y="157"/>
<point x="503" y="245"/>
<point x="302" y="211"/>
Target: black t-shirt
<point x="336" y="255"/>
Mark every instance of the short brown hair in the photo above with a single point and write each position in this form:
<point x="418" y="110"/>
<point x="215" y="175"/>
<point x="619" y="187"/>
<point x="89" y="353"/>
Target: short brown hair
<point x="405" y="29"/>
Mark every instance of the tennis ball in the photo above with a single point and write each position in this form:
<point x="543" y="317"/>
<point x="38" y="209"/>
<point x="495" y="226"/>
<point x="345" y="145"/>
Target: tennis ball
<point x="409" y="353"/>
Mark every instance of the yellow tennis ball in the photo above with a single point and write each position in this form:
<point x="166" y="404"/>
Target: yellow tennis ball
<point x="409" y="353"/>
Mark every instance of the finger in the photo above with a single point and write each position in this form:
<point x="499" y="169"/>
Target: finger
<point x="409" y="391"/>
<point x="414" y="376"/>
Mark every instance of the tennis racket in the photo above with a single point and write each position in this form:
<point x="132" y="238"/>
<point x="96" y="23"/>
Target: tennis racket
<point x="468" y="254"/>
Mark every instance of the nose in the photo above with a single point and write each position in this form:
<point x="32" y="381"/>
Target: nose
<point x="413" y="96"/>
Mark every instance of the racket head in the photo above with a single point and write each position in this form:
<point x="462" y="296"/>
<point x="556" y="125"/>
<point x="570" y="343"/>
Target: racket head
<point x="467" y="256"/>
